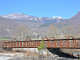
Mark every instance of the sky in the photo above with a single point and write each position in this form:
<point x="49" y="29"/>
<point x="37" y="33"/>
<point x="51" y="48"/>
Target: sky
<point x="41" y="8"/>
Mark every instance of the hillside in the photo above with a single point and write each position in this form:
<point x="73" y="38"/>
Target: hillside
<point x="7" y="26"/>
<point x="74" y="21"/>
<point x="7" y="23"/>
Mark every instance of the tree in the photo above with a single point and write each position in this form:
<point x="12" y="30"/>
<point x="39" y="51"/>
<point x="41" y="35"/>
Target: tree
<point x="42" y="46"/>
<point x="52" y="31"/>
<point x="69" y="31"/>
<point x="21" y="32"/>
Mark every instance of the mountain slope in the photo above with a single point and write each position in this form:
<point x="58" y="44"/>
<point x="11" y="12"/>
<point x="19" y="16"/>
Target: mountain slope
<point x="74" y="21"/>
<point x="7" y="23"/>
<point x="7" y="27"/>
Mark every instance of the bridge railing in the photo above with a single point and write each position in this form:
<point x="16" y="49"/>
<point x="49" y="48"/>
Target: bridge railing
<point x="70" y="42"/>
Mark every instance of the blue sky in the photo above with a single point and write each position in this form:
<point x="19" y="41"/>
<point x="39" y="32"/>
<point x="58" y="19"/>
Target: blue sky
<point x="41" y="8"/>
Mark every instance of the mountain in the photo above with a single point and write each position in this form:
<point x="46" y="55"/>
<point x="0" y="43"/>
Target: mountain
<point x="23" y="17"/>
<point x="6" y="23"/>
<point x="37" y="24"/>
<point x="33" y="21"/>
<point x="74" y="21"/>
<point x="77" y="16"/>
<point x="7" y="26"/>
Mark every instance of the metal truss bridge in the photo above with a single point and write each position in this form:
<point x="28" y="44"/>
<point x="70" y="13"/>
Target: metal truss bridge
<point x="70" y="42"/>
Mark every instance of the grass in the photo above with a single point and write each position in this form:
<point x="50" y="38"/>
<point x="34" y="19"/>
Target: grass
<point x="2" y="39"/>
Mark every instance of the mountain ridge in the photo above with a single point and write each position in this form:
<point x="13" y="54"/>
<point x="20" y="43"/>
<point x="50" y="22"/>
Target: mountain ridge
<point x="20" y="16"/>
<point x="73" y="21"/>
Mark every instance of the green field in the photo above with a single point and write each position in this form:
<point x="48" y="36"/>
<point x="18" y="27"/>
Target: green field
<point x="2" y="39"/>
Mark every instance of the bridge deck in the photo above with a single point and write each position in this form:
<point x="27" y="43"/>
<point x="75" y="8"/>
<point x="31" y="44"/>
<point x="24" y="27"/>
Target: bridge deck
<point x="50" y="43"/>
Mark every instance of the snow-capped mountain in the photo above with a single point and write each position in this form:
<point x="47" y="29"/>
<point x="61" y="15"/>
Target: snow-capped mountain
<point x="58" y="17"/>
<point x="20" y="16"/>
<point x="16" y="16"/>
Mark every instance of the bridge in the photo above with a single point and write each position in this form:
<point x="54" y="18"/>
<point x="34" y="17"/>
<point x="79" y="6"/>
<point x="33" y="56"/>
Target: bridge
<point x="70" y="42"/>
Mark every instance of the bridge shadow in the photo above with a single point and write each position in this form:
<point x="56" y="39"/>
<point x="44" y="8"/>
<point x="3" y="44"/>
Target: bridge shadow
<point x="61" y="54"/>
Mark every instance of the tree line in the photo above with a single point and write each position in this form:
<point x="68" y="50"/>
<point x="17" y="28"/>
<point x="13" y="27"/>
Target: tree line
<point x="22" y="32"/>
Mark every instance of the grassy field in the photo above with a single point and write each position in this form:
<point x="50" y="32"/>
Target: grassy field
<point x="2" y="39"/>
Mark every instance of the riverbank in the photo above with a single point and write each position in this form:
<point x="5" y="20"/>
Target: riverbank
<point x="30" y="56"/>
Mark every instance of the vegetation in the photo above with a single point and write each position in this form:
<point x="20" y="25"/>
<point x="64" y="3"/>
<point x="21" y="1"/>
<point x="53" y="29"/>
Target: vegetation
<point x="2" y="39"/>
<point x="45" y="25"/>
<point x="21" y="32"/>
<point x="52" y="31"/>
<point x="42" y="46"/>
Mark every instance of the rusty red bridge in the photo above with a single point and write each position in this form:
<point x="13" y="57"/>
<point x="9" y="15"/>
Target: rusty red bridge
<point x="70" y="42"/>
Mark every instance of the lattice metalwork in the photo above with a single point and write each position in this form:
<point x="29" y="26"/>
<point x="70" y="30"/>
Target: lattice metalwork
<point x="70" y="42"/>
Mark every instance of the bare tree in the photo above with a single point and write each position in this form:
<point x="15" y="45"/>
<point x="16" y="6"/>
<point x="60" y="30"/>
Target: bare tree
<point x="69" y="31"/>
<point x="52" y="31"/>
<point x="21" y="32"/>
